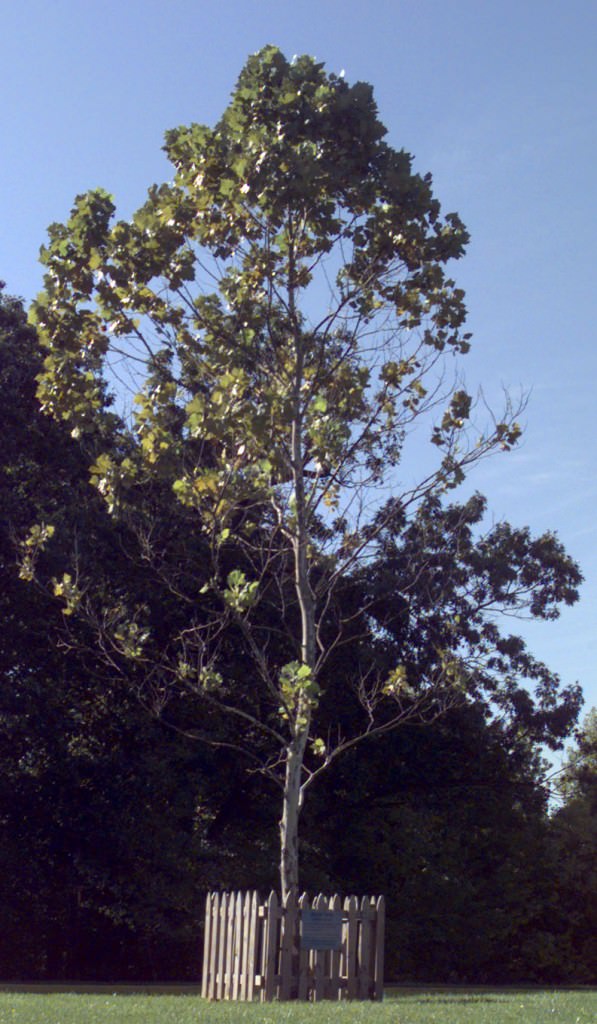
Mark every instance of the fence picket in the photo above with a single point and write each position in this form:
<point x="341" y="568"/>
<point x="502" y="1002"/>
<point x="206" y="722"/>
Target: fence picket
<point x="318" y="957"/>
<point x="288" y="926"/>
<point x="270" y="949"/>
<point x="303" y="958"/>
<point x="364" y="946"/>
<point x="334" y="989"/>
<point x="243" y="979"/>
<point x="380" y="925"/>
<point x="253" y="939"/>
<point x="351" y="906"/>
<point x="206" y="947"/>
<point x="215" y="942"/>
<point x="222" y="943"/>
<point x="230" y="939"/>
<point x="235" y="960"/>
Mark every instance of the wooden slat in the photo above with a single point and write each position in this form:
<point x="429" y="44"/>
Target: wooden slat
<point x="364" y="946"/>
<point x="244" y="946"/>
<point x="215" y="943"/>
<point x="303" y="959"/>
<point x="380" y="922"/>
<point x="239" y="945"/>
<point x="229" y="958"/>
<point x="253" y="942"/>
<point x="352" y="925"/>
<point x="334" y="989"/>
<point x="318" y="958"/>
<point x="222" y="946"/>
<point x="269" y="948"/>
<point x="260" y="947"/>
<point x="288" y="932"/>
<point x="206" y="949"/>
<point x="244" y="950"/>
<point x="344" y="952"/>
<point x="208" y="943"/>
<point x="236" y="954"/>
<point x="229" y="947"/>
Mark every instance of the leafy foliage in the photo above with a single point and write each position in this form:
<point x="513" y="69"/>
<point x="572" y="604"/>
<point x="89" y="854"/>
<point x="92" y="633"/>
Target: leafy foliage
<point x="285" y="314"/>
<point x="105" y="816"/>
<point x="574" y="838"/>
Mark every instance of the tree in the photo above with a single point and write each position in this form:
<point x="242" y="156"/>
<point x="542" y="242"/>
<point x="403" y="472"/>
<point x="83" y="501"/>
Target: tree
<point x="469" y="582"/>
<point x="450" y="820"/>
<point x="574" y="850"/>
<point x="104" y="819"/>
<point x="578" y="777"/>
<point x="283" y="314"/>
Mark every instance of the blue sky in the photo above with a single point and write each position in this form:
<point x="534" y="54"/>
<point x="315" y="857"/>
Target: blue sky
<point x="497" y="100"/>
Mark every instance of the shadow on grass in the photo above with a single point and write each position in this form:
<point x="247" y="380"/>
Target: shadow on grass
<point x="456" y="1000"/>
<point x="81" y="988"/>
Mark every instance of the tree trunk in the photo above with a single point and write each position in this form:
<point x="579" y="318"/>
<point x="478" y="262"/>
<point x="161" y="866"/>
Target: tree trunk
<point x="291" y="809"/>
<point x="295" y="751"/>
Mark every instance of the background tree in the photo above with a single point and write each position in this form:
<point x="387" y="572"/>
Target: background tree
<point x="577" y="779"/>
<point x="283" y="312"/>
<point x="450" y="820"/>
<point x="107" y="820"/>
<point x="574" y="852"/>
<point x="112" y="826"/>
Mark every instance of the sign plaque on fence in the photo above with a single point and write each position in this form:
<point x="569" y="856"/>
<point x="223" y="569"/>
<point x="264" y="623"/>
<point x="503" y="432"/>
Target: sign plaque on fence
<point x="321" y="929"/>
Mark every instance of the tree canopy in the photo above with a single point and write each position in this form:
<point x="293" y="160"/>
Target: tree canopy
<point x="574" y="838"/>
<point x="283" y="316"/>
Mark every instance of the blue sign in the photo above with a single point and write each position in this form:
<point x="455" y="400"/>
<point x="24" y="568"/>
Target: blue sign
<point x="321" y="929"/>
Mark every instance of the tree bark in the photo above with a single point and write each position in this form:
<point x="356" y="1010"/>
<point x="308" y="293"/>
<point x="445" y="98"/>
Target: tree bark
<point x="291" y="808"/>
<point x="300" y="726"/>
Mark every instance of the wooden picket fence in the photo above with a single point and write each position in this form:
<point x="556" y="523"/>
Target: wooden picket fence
<point x="253" y="950"/>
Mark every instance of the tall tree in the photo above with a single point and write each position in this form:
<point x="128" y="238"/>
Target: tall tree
<point x="284" y="315"/>
<point x="574" y="849"/>
<point x="450" y="821"/>
<point x="103" y="818"/>
<point x="578" y="777"/>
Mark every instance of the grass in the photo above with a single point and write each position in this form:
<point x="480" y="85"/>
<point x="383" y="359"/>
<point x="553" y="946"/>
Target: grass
<point x="446" y="1007"/>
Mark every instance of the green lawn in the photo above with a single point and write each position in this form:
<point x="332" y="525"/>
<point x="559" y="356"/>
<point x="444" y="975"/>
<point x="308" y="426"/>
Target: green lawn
<point x="448" y="1007"/>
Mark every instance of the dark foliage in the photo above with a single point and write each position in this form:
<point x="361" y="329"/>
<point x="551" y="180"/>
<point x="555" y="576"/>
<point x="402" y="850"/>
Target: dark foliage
<point x="114" y="822"/>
